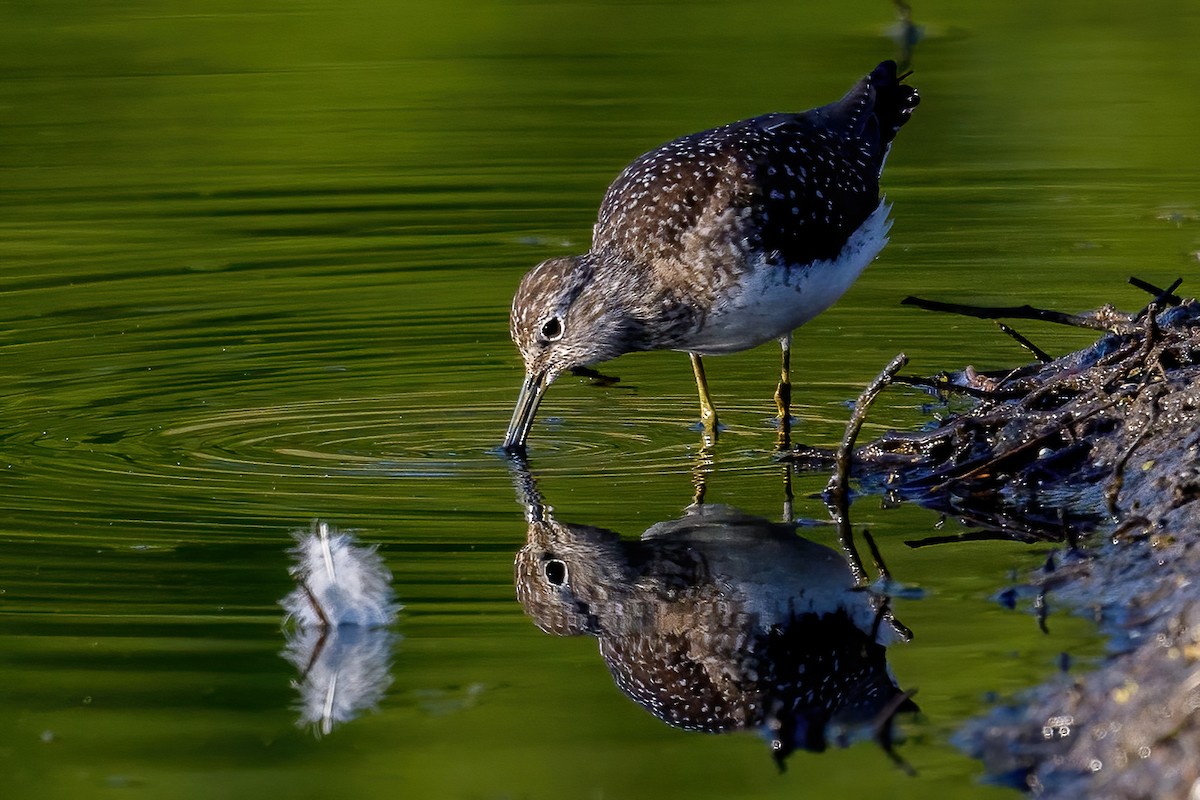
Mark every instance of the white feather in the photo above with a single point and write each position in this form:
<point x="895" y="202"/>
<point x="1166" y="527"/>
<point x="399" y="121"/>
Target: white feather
<point x="341" y="607"/>
<point x="339" y="582"/>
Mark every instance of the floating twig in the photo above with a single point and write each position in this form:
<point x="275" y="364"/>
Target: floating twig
<point x="841" y="479"/>
<point x="941" y="383"/>
<point x="1161" y="296"/>
<point x="1091" y="322"/>
<point x="1038" y="352"/>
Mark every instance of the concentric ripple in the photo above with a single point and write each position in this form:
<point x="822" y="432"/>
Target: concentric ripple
<point x="433" y="435"/>
<point x="409" y="437"/>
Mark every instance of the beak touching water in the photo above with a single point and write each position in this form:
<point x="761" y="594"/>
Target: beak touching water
<point x="522" y="419"/>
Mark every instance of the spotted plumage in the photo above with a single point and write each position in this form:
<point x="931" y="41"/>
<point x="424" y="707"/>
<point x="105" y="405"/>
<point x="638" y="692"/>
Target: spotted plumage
<point x="717" y="242"/>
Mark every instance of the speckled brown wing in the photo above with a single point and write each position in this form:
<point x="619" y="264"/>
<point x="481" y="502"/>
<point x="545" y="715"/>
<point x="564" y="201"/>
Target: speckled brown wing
<point x="789" y="187"/>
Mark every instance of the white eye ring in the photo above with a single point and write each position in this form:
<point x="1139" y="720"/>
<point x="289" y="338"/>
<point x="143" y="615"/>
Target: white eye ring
<point x="552" y="329"/>
<point x="555" y="571"/>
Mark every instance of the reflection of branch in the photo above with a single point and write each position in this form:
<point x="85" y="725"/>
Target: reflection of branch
<point x="839" y="484"/>
<point x="837" y="494"/>
<point x="883" y="608"/>
<point x="1007" y="534"/>
<point x="877" y="557"/>
<point x="884" y="725"/>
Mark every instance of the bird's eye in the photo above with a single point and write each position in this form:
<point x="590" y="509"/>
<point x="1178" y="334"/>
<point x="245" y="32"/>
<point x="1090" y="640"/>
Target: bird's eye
<point x="556" y="572"/>
<point x="552" y="329"/>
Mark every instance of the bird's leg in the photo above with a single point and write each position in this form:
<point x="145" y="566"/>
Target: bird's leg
<point x="708" y="414"/>
<point x="700" y="473"/>
<point x="787" y="493"/>
<point x="783" y="393"/>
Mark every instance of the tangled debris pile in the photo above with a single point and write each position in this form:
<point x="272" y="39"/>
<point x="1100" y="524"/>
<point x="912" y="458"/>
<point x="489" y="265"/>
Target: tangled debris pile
<point x="1105" y="439"/>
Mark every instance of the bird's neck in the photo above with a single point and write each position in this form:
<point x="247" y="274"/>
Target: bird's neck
<point x="653" y="314"/>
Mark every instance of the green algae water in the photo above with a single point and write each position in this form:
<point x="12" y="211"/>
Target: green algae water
<point x="255" y="268"/>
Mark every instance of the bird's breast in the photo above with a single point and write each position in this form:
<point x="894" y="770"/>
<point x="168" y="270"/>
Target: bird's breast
<point x="761" y="299"/>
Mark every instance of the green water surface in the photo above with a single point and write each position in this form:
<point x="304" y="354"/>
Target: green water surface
<point x="255" y="267"/>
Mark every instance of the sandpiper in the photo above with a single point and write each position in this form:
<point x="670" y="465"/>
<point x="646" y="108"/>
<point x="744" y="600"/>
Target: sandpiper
<point x="717" y="242"/>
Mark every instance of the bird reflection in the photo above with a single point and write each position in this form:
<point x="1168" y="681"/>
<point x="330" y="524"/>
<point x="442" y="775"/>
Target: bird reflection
<point x="720" y="621"/>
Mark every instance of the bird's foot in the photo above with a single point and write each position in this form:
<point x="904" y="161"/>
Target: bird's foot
<point x="783" y="402"/>
<point x="710" y="429"/>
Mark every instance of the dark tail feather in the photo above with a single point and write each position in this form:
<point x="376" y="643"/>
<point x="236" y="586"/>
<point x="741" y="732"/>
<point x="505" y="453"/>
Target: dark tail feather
<point x="882" y="101"/>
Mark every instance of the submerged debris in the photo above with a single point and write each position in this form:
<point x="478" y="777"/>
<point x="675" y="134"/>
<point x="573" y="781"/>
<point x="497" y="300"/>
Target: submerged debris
<point x="1104" y="439"/>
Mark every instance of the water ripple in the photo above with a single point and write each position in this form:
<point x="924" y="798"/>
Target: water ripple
<point x="434" y="435"/>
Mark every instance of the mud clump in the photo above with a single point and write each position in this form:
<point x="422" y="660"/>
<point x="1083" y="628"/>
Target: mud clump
<point x="1103" y="441"/>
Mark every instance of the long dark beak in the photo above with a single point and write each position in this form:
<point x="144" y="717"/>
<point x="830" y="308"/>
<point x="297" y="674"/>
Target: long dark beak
<point x="522" y="418"/>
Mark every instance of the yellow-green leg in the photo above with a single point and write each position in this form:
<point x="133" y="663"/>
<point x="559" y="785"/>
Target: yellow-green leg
<point x="708" y="414"/>
<point x="700" y="472"/>
<point x="783" y="393"/>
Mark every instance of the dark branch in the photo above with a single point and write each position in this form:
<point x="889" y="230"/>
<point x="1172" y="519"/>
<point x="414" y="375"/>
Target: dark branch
<point x="1161" y="296"/>
<point x="1038" y="352"/>
<point x="1011" y="312"/>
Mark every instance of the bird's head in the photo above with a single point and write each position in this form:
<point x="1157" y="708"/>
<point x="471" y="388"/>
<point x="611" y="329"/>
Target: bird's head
<point x="566" y="314"/>
<point x="572" y="579"/>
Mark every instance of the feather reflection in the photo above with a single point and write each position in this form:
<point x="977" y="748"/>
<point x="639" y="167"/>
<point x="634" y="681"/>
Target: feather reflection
<point x="339" y="639"/>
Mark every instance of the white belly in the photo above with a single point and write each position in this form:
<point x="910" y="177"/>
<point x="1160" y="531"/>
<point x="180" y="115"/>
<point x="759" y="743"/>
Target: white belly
<point x="771" y="301"/>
